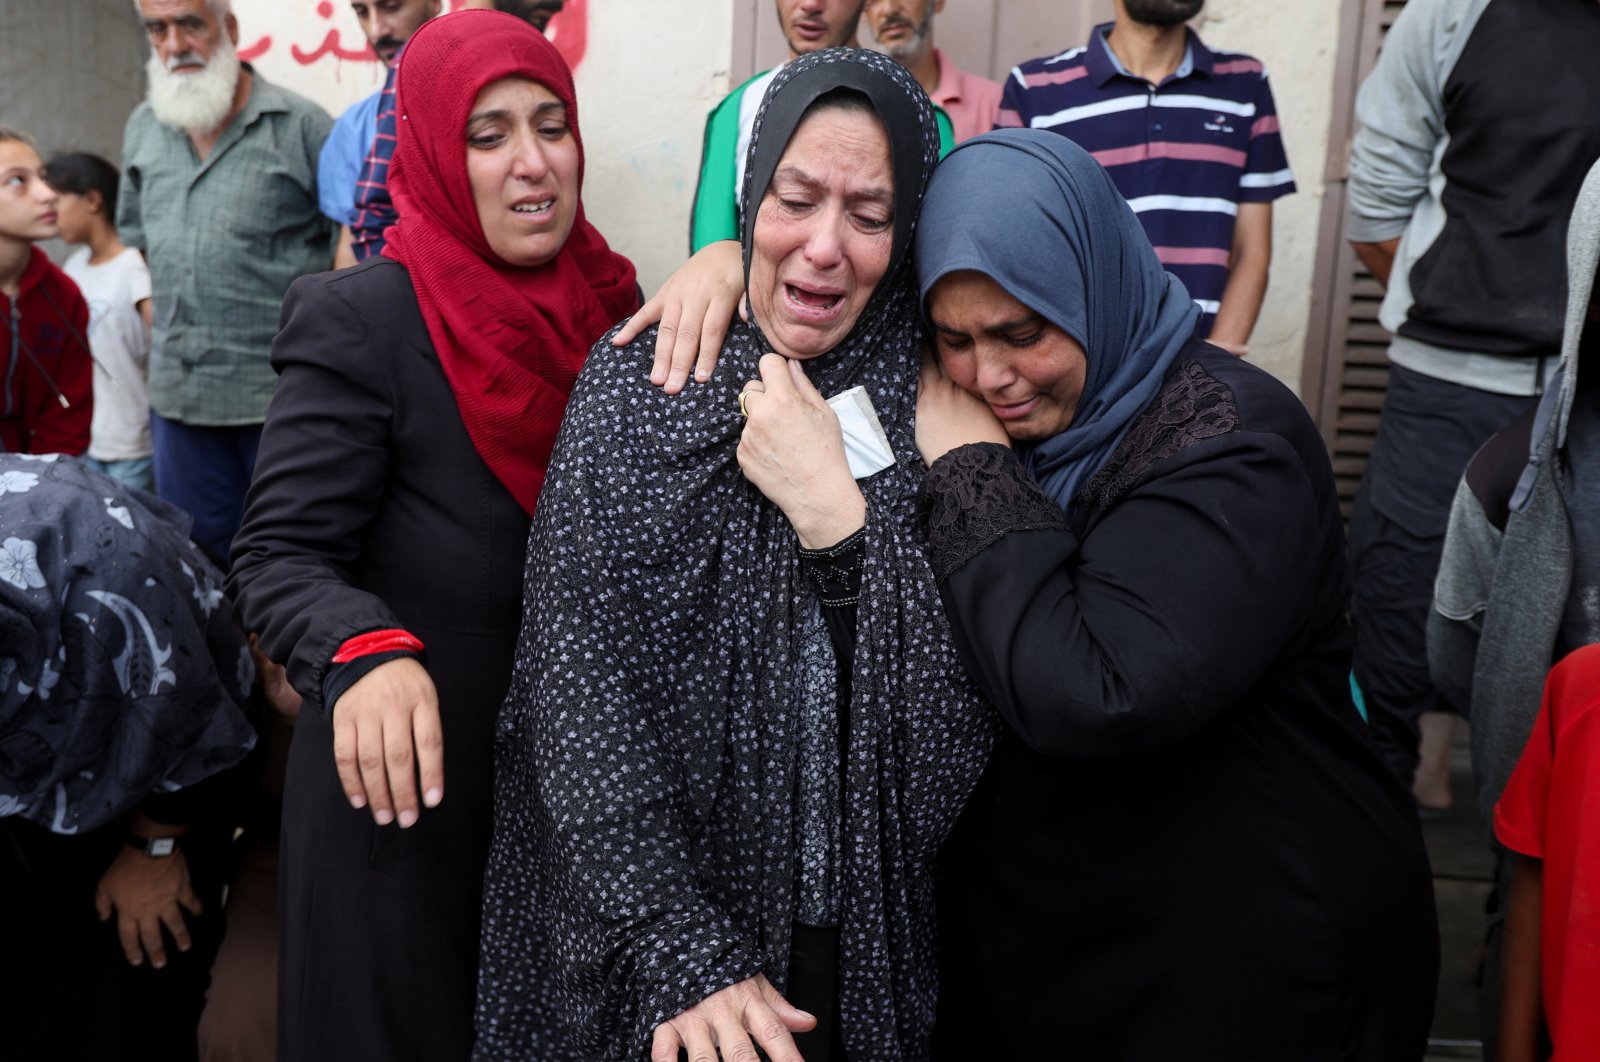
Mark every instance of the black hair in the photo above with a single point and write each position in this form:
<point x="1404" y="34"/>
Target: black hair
<point x="849" y="100"/>
<point x="79" y="173"/>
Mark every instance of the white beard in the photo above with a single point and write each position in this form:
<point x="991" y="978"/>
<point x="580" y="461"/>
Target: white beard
<point x="198" y="101"/>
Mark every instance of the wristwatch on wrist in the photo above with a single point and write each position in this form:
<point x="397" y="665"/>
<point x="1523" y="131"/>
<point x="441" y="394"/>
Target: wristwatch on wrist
<point x="154" y="847"/>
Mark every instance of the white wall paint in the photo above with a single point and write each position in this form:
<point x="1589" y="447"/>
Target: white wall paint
<point x="650" y="72"/>
<point x="1298" y="42"/>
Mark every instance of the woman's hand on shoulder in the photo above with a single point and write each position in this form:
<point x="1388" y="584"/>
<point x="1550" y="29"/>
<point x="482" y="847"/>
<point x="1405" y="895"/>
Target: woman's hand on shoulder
<point x="695" y="307"/>
<point x="726" y="1021"/>
<point x="792" y="449"/>
<point x="386" y="733"/>
<point x="948" y="417"/>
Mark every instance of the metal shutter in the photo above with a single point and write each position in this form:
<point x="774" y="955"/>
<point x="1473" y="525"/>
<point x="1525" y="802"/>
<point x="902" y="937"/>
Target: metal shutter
<point x="1346" y="365"/>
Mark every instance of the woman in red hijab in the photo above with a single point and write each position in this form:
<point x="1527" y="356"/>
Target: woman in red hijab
<point x="382" y="550"/>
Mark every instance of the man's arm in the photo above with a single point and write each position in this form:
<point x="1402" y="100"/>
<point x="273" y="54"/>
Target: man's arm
<point x="130" y="214"/>
<point x="148" y="893"/>
<point x="1377" y="257"/>
<point x="1265" y="177"/>
<point x="344" y="255"/>
<point x="339" y="165"/>
<point x="1249" y="261"/>
<point x="1400" y="110"/>
<point x="1520" y="1009"/>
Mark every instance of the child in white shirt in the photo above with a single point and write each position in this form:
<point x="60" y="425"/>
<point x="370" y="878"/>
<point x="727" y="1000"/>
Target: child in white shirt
<point x="116" y="283"/>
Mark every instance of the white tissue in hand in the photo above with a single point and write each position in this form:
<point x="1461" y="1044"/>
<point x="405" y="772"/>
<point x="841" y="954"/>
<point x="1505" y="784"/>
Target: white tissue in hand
<point x="865" y="444"/>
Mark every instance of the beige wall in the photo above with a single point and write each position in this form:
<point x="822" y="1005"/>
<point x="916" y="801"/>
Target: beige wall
<point x="1299" y="51"/>
<point x="650" y="70"/>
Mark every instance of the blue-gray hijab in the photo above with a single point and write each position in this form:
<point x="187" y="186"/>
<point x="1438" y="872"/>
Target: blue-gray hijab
<point x="1037" y="214"/>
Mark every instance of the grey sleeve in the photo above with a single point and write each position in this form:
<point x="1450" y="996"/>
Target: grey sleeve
<point x="130" y="218"/>
<point x="1400" y="110"/>
<point x="1460" y="599"/>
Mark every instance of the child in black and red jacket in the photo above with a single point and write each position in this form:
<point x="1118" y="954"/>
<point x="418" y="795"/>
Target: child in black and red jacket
<point x="46" y="375"/>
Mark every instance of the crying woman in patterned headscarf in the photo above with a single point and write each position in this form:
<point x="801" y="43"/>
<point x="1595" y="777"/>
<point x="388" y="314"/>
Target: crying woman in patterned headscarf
<point x="737" y="730"/>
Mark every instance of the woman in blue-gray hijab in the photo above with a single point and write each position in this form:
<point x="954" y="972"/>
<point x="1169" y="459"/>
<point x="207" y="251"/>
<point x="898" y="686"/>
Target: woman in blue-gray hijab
<point x="1186" y="845"/>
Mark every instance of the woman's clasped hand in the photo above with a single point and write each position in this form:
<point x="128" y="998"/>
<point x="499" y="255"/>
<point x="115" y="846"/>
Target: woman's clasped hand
<point x="793" y="451"/>
<point x="948" y="417"/>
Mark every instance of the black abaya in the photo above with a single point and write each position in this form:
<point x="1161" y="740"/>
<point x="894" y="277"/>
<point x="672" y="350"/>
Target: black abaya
<point x="1186" y="845"/>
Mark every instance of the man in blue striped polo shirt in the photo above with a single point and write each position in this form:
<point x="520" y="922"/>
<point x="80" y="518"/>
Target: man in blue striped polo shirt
<point x="1189" y="135"/>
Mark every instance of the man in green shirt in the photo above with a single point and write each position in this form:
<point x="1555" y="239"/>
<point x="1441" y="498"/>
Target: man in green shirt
<point x="808" y="26"/>
<point x="219" y="192"/>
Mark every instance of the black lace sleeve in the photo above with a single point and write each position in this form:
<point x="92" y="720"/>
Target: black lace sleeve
<point x="974" y="495"/>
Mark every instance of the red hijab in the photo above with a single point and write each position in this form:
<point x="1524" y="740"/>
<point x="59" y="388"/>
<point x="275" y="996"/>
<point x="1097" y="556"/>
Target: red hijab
<point x="511" y="339"/>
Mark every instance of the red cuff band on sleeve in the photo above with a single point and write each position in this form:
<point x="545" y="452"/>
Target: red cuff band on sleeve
<point x="377" y="642"/>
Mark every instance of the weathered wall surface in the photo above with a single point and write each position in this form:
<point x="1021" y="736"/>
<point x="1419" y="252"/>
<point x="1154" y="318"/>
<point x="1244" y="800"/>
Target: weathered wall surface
<point x="1297" y="42"/>
<point x="647" y="73"/>
<point x="70" y="73"/>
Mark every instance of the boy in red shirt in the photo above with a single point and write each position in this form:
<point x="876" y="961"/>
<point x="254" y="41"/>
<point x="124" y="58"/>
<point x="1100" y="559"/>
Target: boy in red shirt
<point x="46" y="376"/>
<point x="1549" y="815"/>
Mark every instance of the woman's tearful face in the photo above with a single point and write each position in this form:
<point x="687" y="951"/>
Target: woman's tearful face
<point x="1028" y="371"/>
<point x="823" y="232"/>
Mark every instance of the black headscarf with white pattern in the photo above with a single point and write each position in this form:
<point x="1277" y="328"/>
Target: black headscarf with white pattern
<point x="122" y="668"/>
<point x="644" y="851"/>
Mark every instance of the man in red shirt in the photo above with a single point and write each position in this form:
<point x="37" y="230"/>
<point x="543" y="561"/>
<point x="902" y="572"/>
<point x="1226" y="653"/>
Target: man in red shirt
<point x="46" y="376"/>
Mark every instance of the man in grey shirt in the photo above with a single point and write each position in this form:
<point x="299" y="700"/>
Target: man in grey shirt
<point x="1477" y="126"/>
<point x="219" y="192"/>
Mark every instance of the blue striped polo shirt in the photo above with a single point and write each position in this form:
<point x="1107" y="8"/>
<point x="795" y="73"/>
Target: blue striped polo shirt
<point x="1184" y="153"/>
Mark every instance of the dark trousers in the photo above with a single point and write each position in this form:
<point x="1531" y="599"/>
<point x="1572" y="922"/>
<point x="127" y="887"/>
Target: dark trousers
<point x="67" y="993"/>
<point x="1429" y="431"/>
<point x="814" y="988"/>
<point x="205" y="471"/>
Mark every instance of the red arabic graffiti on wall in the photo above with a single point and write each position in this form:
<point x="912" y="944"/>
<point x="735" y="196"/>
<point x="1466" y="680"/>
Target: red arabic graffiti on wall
<point x="568" y="30"/>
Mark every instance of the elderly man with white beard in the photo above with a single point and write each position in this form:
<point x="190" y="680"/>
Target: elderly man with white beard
<point x="219" y="192"/>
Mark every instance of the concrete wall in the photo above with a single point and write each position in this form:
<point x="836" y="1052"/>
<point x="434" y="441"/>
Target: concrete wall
<point x="70" y="73"/>
<point x="1299" y="51"/>
<point x="647" y="73"/>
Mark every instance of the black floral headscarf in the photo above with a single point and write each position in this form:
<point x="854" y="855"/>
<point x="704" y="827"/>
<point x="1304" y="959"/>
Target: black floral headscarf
<point x="644" y="851"/>
<point x="122" y="668"/>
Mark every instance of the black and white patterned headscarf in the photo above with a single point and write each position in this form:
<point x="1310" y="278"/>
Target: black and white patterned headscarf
<point x="122" y="668"/>
<point x="644" y="850"/>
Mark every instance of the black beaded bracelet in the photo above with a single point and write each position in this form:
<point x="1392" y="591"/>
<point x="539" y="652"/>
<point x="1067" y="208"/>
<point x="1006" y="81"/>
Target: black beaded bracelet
<point x="835" y="572"/>
<point x="837" y="548"/>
